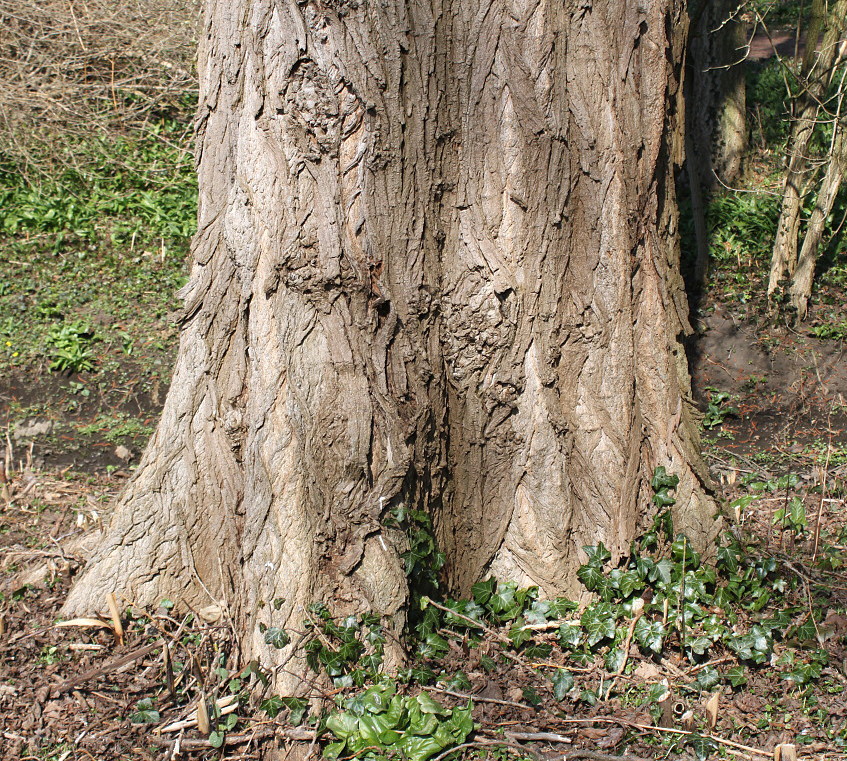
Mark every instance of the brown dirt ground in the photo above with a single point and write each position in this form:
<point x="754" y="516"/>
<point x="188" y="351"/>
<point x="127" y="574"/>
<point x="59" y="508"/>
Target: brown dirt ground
<point x="790" y="390"/>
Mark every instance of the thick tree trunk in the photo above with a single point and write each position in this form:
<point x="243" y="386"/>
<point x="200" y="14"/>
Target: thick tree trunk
<point x="436" y="268"/>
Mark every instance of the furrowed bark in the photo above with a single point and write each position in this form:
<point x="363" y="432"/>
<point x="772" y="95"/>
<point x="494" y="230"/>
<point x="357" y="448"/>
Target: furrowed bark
<point x="436" y="268"/>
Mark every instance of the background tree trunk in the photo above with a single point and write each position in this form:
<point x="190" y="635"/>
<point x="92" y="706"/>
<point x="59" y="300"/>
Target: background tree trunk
<point x="716" y="130"/>
<point x="437" y="269"/>
<point x="717" y="102"/>
<point x="826" y="26"/>
<point x="801" y="284"/>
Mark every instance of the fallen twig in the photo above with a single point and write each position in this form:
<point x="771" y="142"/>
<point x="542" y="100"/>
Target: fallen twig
<point x="107" y="668"/>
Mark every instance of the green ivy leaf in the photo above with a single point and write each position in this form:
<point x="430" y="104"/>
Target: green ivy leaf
<point x="662" y="572"/>
<point x="145" y="713"/>
<point x="334" y="750"/>
<point x="597" y="553"/>
<point x="276" y="637"/>
<point x="592" y="578"/>
<point x="538" y="650"/>
<point x="707" y="678"/>
<point x="663" y="480"/>
<point x="598" y="620"/>
<point x="483" y="590"/>
<point x="650" y="634"/>
<point x="626" y="582"/>
<point x="563" y="682"/>
<point x="736" y="676"/>
<point x="614" y="659"/>
<point x="518" y="633"/>
<point x="272" y="706"/>
<point x="531" y="696"/>
<point x="806" y="631"/>
<point x="570" y="635"/>
<point x="216" y="739"/>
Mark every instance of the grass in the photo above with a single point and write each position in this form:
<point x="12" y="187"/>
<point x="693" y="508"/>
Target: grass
<point x="95" y="256"/>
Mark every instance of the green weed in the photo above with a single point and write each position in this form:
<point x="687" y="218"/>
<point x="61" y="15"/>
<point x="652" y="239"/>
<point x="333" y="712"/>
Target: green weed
<point x="71" y="345"/>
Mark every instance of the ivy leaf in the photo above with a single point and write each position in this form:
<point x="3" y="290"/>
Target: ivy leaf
<point x="662" y="480"/>
<point x="663" y="499"/>
<point x="598" y="621"/>
<point x="563" y="682"/>
<point x="483" y="590"/>
<point x="650" y="634"/>
<point x="334" y="750"/>
<point x="538" y="650"/>
<point x="591" y="575"/>
<point x="538" y="613"/>
<point x="626" y="582"/>
<point x="145" y="713"/>
<point x="531" y="696"/>
<point x="662" y="572"/>
<point x="703" y="747"/>
<point x="342" y="724"/>
<point x="518" y="633"/>
<point x="658" y="692"/>
<point x="428" y="705"/>
<point x="216" y="739"/>
<point x="276" y="637"/>
<point x="727" y="559"/>
<point x="559" y="607"/>
<point x="597" y="553"/>
<point x="698" y="645"/>
<point x="806" y="631"/>
<point x="502" y="602"/>
<point x="570" y="635"/>
<point x="614" y="659"/>
<point x="272" y="706"/>
<point x="433" y="646"/>
<point x="707" y="678"/>
<point x="736" y="676"/>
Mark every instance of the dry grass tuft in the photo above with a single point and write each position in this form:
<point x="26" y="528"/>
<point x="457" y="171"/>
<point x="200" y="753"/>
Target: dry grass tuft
<point x="73" y="68"/>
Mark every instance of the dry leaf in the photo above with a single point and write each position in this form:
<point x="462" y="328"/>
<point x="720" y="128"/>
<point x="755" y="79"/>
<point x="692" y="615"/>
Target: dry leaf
<point x="647" y="671"/>
<point x="117" y="626"/>
<point x="711" y="709"/>
<point x="203" y="723"/>
<point x="85" y="623"/>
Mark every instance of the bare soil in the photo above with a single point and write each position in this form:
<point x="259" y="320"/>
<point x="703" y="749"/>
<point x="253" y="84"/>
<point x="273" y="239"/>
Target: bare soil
<point x="70" y="692"/>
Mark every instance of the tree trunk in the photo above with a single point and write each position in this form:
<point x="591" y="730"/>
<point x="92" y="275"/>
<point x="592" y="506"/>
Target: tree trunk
<point x="816" y="70"/>
<point x="436" y="269"/>
<point x="717" y="102"/>
<point x="801" y="284"/>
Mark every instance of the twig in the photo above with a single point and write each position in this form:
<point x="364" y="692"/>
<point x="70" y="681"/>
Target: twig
<point x="547" y="737"/>
<point x="485" y="743"/>
<point x="479" y="698"/>
<point x="667" y="730"/>
<point x="107" y="667"/>
<point x="473" y="622"/>
<point x="239" y="739"/>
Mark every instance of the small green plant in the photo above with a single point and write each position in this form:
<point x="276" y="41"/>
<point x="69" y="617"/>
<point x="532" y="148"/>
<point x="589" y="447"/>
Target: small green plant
<point x="830" y="331"/>
<point x="379" y="724"/>
<point x="718" y="409"/>
<point x="791" y="516"/>
<point x="72" y="347"/>
<point x="144" y="712"/>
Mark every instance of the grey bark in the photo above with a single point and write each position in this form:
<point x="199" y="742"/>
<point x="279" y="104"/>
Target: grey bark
<point x="436" y="267"/>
